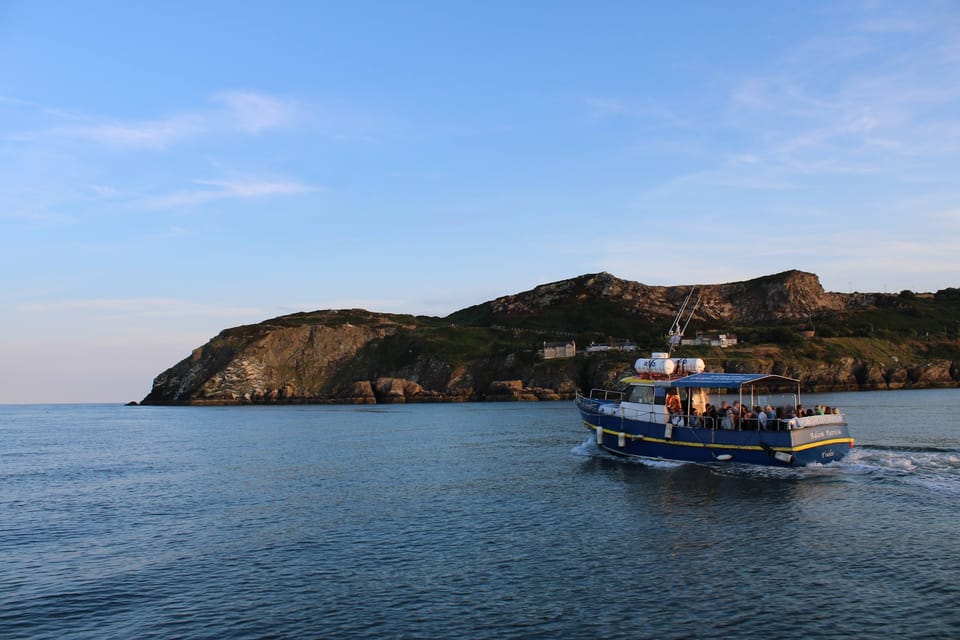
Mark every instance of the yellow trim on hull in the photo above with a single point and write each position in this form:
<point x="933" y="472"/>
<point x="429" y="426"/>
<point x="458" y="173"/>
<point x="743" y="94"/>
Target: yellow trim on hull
<point x="819" y="443"/>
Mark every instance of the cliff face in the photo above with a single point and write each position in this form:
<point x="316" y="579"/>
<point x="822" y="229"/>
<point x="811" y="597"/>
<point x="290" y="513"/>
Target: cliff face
<point x="269" y="363"/>
<point x="850" y="373"/>
<point x="487" y="352"/>
<point x="792" y="295"/>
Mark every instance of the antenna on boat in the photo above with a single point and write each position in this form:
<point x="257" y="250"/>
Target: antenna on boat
<point x="679" y="324"/>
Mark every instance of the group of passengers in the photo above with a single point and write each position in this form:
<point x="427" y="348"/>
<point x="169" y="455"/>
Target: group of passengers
<point x="737" y="416"/>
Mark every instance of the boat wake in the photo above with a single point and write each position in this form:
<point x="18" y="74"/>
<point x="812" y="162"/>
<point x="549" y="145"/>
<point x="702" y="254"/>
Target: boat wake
<point x="933" y="468"/>
<point x="589" y="449"/>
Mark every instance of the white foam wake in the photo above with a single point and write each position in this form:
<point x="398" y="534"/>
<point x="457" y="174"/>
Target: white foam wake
<point x="589" y="449"/>
<point x="936" y="470"/>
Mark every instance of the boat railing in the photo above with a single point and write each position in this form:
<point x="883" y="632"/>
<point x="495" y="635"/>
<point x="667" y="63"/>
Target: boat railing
<point x="606" y="395"/>
<point x="753" y="424"/>
<point x="599" y="401"/>
<point x="819" y="420"/>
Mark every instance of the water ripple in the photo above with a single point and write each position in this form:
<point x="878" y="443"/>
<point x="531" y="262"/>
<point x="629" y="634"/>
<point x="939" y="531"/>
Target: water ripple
<point x="439" y="521"/>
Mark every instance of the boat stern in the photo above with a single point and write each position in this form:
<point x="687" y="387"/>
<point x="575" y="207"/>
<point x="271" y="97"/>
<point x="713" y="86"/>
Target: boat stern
<point x="820" y="444"/>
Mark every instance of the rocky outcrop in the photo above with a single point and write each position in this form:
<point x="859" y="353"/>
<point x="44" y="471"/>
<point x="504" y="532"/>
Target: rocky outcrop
<point x="791" y="295"/>
<point x="361" y="392"/>
<point x="355" y="356"/>
<point x="271" y="362"/>
<point x="853" y="374"/>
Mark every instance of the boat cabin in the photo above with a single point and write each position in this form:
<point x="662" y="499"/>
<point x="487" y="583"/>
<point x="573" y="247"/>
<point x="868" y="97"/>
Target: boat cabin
<point x="686" y="401"/>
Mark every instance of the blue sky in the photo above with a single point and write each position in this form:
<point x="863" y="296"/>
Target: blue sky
<point x="168" y="170"/>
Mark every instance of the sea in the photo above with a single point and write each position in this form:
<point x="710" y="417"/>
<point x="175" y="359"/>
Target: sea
<point x="478" y="520"/>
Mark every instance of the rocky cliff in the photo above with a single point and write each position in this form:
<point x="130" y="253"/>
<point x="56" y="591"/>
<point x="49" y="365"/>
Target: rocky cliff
<point x="791" y="295"/>
<point x="289" y="359"/>
<point x="489" y="351"/>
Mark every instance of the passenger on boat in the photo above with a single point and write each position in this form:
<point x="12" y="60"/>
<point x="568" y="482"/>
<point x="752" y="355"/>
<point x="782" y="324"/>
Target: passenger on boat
<point x="746" y="419"/>
<point x="761" y="417"/>
<point x="695" y="420"/>
<point x="780" y="419"/>
<point x="726" y="422"/>
<point x="673" y="401"/>
<point x="710" y="417"/>
<point x="793" y="418"/>
<point x="771" y="414"/>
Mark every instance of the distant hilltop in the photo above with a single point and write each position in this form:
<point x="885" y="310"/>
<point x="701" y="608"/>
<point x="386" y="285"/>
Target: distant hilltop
<point x="791" y="295"/>
<point x="786" y="324"/>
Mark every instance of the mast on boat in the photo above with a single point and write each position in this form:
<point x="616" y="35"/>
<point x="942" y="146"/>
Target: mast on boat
<point x="679" y="324"/>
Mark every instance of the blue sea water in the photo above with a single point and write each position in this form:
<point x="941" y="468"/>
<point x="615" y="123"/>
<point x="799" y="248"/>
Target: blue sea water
<point x="468" y="521"/>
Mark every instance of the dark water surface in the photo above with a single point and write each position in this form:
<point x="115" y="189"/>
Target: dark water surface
<point x="469" y="521"/>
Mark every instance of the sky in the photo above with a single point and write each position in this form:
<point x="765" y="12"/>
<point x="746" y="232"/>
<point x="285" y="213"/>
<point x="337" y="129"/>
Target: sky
<point x="169" y="170"/>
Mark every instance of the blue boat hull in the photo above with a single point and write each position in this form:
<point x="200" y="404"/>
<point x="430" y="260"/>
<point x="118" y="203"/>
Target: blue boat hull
<point x="799" y="447"/>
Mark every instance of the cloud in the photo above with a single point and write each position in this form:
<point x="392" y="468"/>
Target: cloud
<point x="253" y="112"/>
<point x="236" y="112"/>
<point x="862" y="97"/>
<point x="105" y="191"/>
<point x="150" y="134"/>
<point x="223" y="190"/>
<point x="39" y="217"/>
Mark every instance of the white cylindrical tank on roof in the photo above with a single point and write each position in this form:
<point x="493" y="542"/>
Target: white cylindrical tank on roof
<point x="663" y="366"/>
<point x="689" y="365"/>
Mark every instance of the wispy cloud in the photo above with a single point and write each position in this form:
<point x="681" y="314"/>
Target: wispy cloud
<point x="30" y="105"/>
<point x="39" y="217"/>
<point x="254" y="112"/>
<point x="241" y="112"/>
<point x="861" y="94"/>
<point x="150" y="134"/>
<point x="223" y="190"/>
<point x="878" y="93"/>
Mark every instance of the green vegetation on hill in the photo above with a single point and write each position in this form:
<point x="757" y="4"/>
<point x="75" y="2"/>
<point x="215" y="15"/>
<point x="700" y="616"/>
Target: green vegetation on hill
<point x="904" y="326"/>
<point x="902" y="316"/>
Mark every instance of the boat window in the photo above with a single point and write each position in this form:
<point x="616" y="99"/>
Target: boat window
<point x="640" y="394"/>
<point x="660" y="395"/>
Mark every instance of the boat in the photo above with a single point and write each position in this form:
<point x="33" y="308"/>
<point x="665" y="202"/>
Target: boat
<point x="664" y="412"/>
